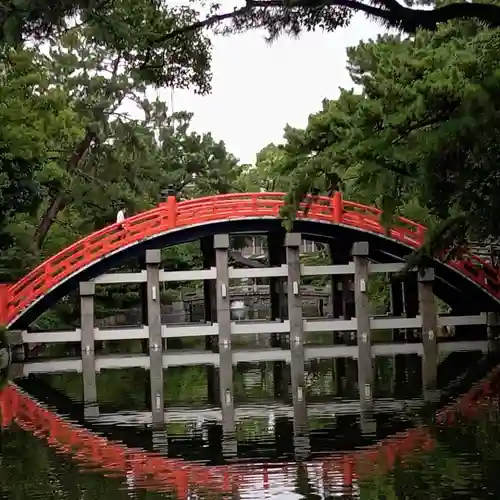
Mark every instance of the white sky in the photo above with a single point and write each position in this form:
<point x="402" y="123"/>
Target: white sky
<point x="258" y="88"/>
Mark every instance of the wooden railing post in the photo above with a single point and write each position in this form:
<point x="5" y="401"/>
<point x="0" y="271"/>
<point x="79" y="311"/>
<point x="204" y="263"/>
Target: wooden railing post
<point x="338" y="207"/>
<point x="172" y="211"/>
<point x="4" y="303"/>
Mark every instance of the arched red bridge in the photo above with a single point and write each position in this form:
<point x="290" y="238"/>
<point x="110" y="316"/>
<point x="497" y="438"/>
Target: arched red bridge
<point x="174" y="222"/>
<point x="154" y="471"/>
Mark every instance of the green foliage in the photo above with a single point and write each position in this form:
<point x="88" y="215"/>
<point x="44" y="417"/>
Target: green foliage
<point x="80" y="138"/>
<point x="265" y="174"/>
<point x="418" y="140"/>
<point x="149" y="27"/>
<point x="128" y="28"/>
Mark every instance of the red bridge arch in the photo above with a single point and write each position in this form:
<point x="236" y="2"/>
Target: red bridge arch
<point x="16" y="300"/>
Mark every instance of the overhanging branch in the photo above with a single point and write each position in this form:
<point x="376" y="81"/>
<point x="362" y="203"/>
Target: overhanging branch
<point x="390" y="11"/>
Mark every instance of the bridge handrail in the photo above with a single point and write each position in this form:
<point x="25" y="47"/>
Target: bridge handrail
<point x="172" y="214"/>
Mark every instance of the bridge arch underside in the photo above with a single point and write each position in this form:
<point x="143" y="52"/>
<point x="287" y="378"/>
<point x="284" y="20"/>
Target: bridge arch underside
<point x="462" y="294"/>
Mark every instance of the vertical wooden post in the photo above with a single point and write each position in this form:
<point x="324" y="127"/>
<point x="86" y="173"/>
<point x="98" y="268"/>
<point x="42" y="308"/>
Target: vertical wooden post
<point x="428" y="313"/>
<point x="396" y="296"/>
<point x="87" y="296"/>
<point x="221" y="245"/>
<point x="398" y="334"/>
<point x="360" y="252"/>
<point x="337" y="207"/>
<point x="153" y="259"/>
<point x="209" y="297"/>
<point x="210" y="316"/>
<point x="277" y="257"/>
<point x="172" y="210"/>
<point x="4" y="302"/>
<point x="410" y="293"/>
<point x="143" y="295"/>
<point x="208" y="253"/>
<point x="397" y="305"/>
<point x="277" y="296"/>
<point x="342" y="295"/>
<point x="152" y="304"/>
<point x="292" y="243"/>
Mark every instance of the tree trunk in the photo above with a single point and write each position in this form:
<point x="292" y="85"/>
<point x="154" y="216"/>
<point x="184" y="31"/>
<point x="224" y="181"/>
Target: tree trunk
<point x="60" y="199"/>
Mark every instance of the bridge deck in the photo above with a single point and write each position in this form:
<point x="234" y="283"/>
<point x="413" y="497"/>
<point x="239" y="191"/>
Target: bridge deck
<point x="172" y="222"/>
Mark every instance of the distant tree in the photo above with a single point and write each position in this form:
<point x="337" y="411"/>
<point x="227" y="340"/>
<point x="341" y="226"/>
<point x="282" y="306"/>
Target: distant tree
<point x="265" y="174"/>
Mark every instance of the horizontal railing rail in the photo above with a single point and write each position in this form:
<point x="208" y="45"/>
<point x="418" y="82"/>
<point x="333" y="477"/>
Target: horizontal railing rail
<point x="172" y="214"/>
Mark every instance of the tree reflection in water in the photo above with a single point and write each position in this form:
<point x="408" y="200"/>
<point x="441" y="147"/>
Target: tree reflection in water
<point x="461" y="464"/>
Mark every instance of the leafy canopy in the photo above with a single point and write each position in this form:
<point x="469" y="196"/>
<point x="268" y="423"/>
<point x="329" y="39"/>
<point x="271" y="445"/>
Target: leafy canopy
<point x="147" y="25"/>
<point x="80" y="138"/>
<point x="419" y="139"/>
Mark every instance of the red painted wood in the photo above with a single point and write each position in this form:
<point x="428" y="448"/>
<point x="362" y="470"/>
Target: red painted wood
<point x="170" y="215"/>
<point x="4" y="302"/>
<point x="154" y="471"/>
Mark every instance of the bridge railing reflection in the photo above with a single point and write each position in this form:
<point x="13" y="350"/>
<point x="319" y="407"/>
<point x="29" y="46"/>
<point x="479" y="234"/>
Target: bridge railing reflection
<point x="153" y="471"/>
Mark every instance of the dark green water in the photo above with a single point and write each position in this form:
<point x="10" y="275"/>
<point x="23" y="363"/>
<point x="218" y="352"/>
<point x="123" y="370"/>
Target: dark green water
<point x="463" y="462"/>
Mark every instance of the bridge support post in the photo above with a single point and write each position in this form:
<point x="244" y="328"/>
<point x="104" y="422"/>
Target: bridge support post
<point x="397" y="304"/>
<point x="281" y="379"/>
<point x="209" y="288"/>
<point x="428" y="314"/>
<point x="360" y="252"/>
<point x="342" y="296"/>
<point x="210" y="315"/>
<point x="153" y="259"/>
<point x="87" y="315"/>
<point x="398" y="335"/>
<point x="411" y="302"/>
<point x="337" y="309"/>
<point x="221" y="245"/>
<point x="396" y="296"/>
<point x="277" y="297"/>
<point x="279" y="312"/>
<point x="335" y="300"/>
<point x="297" y="368"/>
<point x="143" y="296"/>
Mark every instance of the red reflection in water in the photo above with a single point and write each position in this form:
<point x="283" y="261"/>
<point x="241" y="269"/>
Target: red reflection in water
<point x="154" y="471"/>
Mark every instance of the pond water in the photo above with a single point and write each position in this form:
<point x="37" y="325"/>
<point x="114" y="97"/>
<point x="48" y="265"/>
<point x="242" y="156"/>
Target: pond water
<point x="456" y="460"/>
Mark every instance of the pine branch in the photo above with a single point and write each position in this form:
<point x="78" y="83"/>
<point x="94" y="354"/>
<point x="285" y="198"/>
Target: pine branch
<point x="446" y="241"/>
<point x="391" y="12"/>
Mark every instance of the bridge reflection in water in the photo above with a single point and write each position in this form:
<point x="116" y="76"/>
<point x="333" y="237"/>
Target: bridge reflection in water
<point x="186" y="450"/>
